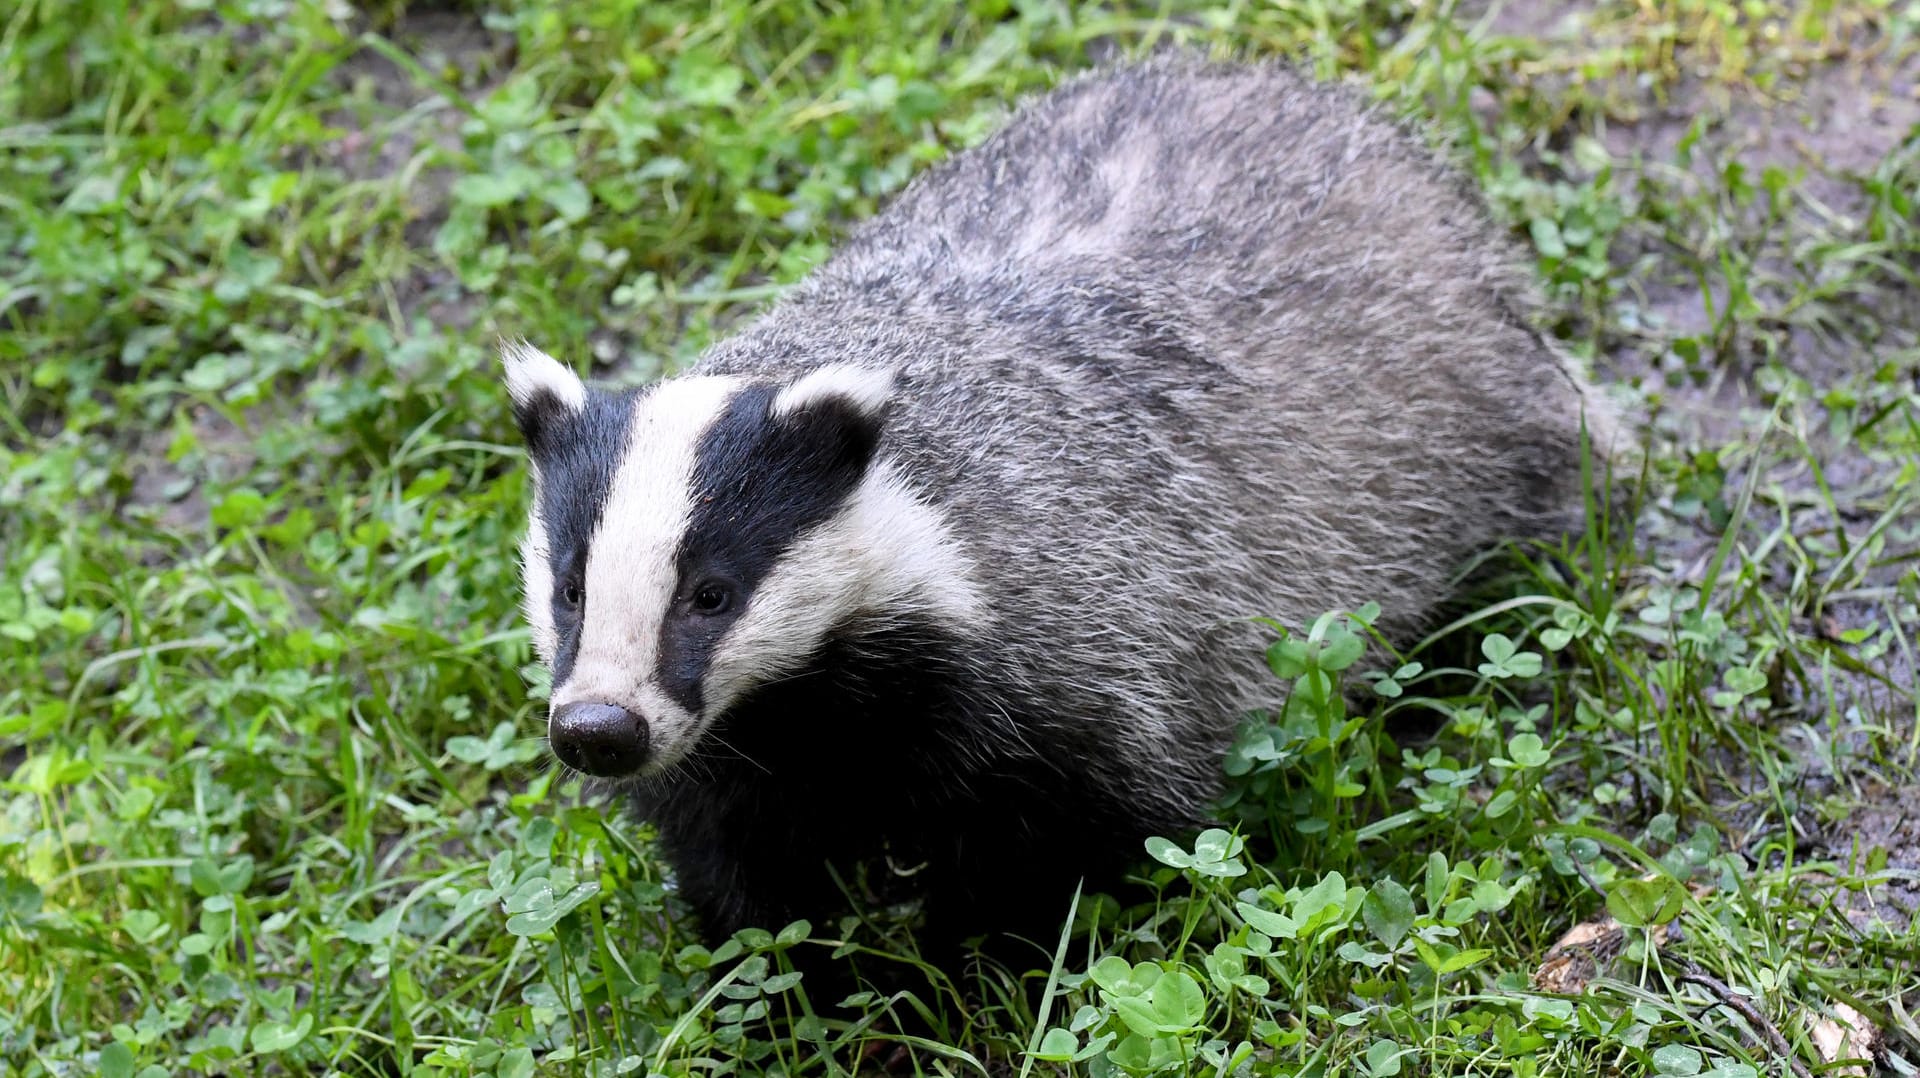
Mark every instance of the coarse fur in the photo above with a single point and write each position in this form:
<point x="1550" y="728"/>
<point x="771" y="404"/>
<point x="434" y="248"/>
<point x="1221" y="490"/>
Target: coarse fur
<point x="989" y="497"/>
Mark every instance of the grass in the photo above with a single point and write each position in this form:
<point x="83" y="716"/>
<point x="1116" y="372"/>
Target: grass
<point x="272" y="796"/>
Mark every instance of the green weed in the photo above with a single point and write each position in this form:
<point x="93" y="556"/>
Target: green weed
<point x="272" y="795"/>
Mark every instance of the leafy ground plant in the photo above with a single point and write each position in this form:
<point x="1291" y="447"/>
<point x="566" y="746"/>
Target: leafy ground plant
<point x="272" y="795"/>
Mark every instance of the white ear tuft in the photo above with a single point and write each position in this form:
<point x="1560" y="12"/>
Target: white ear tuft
<point x="533" y="374"/>
<point x="865" y="389"/>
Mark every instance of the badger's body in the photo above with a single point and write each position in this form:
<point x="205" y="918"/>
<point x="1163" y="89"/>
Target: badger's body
<point x="948" y="557"/>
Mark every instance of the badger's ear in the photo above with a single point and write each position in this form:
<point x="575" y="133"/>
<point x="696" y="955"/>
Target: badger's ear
<point x="544" y="392"/>
<point x="843" y="405"/>
<point x="864" y="390"/>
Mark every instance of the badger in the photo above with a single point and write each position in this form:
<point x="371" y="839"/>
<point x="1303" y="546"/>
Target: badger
<point x="950" y="560"/>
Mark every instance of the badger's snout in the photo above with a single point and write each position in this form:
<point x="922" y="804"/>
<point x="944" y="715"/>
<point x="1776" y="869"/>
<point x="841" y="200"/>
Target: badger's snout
<point x="599" y="739"/>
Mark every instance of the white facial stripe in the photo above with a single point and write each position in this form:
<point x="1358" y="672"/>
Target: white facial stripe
<point x="866" y="388"/>
<point x="531" y="372"/>
<point x="630" y="572"/>
<point x="536" y="575"/>
<point x="885" y="550"/>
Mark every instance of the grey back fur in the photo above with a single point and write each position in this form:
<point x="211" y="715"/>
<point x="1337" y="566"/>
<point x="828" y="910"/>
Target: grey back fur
<point x="1182" y="344"/>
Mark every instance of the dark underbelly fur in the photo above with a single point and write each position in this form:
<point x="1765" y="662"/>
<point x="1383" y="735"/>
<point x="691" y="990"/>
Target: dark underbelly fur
<point x="889" y="755"/>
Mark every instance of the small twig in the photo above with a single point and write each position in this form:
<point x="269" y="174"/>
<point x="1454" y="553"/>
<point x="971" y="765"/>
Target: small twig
<point x="1692" y="974"/>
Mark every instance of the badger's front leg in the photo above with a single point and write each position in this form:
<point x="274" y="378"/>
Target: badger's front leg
<point x="762" y="871"/>
<point x="737" y="869"/>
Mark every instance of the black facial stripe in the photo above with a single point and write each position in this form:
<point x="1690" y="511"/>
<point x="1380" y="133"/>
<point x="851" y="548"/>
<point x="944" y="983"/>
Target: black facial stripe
<point x="577" y="454"/>
<point x="759" y="483"/>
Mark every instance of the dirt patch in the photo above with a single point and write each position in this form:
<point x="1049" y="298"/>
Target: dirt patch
<point x="1888" y="816"/>
<point x="1677" y="284"/>
<point x="405" y="128"/>
<point x="1884" y="821"/>
<point x="1827" y="126"/>
<point x="1832" y="124"/>
<point x="409" y="121"/>
<point x="172" y="494"/>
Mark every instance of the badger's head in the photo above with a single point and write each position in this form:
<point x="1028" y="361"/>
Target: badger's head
<point x="698" y="539"/>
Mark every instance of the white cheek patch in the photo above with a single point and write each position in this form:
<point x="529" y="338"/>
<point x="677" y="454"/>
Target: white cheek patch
<point x="536" y="580"/>
<point x="884" y="551"/>
<point x="631" y="572"/>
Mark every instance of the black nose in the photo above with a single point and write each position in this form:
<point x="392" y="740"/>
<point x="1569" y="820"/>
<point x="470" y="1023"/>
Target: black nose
<point x="600" y="739"/>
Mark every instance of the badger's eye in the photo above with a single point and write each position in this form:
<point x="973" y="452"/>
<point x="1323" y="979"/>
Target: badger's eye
<point x="570" y="595"/>
<point x="711" y="597"/>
